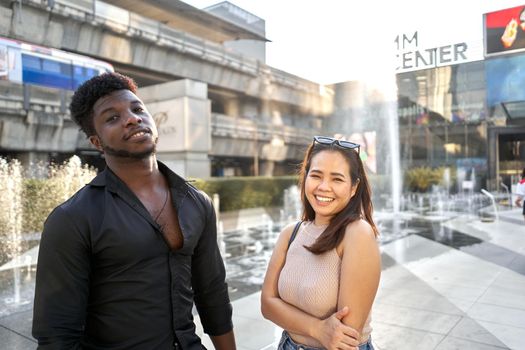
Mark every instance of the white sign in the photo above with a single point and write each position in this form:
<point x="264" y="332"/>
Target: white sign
<point x="414" y="53"/>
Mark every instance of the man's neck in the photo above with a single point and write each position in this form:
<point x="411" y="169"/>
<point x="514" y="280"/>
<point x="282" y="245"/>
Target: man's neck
<point x="137" y="174"/>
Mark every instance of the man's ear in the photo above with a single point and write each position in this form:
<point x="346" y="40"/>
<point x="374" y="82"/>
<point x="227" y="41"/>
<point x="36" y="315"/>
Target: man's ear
<point x="95" y="141"/>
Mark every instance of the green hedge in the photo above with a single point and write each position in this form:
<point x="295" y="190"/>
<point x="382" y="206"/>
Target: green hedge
<point x="421" y="179"/>
<point x="38" y="200"/>
<point x="247" y="192"/>
<point x="40" y="196"/>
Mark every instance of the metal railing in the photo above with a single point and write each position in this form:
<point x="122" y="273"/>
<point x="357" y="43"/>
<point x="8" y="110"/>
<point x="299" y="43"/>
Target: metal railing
<point x="227" y="126"/>
<point x="133" y="24"/>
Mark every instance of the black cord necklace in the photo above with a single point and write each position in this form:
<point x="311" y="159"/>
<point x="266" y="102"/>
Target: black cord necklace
<point x="163" y="205"/>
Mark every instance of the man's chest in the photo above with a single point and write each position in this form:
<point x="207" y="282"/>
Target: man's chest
<point x="126" y="231"/>
<point x="170" y="228"/>
<point x="125" y="237"/>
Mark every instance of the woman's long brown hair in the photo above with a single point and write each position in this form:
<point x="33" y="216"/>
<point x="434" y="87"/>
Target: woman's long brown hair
<point x="360" y="205"/>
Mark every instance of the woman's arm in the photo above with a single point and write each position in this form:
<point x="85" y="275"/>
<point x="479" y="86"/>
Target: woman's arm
<point x="518" y="200"/>
<point x="360" y="273"/>
<point x="328" y="332"/>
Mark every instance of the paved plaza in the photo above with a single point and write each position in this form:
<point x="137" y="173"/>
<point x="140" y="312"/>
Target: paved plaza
<point x="452" y="282"/>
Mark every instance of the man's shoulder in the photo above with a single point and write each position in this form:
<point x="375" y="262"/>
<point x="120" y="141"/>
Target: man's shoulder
<point x="200" y="196"/>
<point x="203" y="195"/>
<point x="185" y="186"/>
<point x="80" y="202"/>
<point x="77" y="211"/>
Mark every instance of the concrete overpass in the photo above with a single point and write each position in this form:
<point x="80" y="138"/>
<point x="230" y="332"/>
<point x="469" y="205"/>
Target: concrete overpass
<point x="256" y="112"/>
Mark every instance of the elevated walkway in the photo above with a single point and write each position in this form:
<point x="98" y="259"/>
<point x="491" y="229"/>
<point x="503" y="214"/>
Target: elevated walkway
<point x="138" y="43"/>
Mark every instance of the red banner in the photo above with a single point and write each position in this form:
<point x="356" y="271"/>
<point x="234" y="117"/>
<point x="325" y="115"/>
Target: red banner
<point x="504" y="31"/>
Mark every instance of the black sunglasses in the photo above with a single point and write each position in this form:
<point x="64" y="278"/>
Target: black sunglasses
<point x="325" y="140"/>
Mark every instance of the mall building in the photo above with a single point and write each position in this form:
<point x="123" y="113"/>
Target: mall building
<point x="461" y="103"/>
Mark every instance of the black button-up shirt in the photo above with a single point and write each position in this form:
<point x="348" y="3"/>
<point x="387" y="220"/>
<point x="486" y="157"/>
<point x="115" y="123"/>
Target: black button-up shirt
<point x="106" y="278"/>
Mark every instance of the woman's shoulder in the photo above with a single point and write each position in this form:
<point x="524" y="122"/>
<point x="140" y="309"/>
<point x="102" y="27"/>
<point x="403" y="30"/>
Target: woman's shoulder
<point x="359" y="237"/>
<point x="285" y="235"/>
<point x="359" y="230"/>
<point x="288" y="229"/>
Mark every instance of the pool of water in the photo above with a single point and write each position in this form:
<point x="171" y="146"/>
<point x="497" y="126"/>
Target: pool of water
<point x="246" y="253"/>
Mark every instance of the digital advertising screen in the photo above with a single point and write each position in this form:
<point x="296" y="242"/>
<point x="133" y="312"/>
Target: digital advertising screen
<point x="504" y="31"/>
<point x="505" y="77"/>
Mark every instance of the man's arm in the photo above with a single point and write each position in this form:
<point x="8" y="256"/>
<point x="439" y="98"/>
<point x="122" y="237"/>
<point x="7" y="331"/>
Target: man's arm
<point x="62" y="284"/>
<point x="210" y="288"/>
<point x="224" y="342"/>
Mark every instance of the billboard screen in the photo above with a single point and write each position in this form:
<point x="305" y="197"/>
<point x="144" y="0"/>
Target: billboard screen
<point x="504" y="31"/>
<point x="505" y="77"/>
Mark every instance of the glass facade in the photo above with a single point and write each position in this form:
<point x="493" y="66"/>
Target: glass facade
<point x="458" y="117"/>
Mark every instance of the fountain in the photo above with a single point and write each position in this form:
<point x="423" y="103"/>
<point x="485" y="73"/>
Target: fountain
<point x="25" y="204"/>
<point x="494" y="206"/>
<point x="292" y="206"/>
<point x="366" y="113"/>
<point x="395" y="164"/>
<point x="267" y="222"/>
<point x="11" y="220"/>
<point x="446" y="180"/>
<point x="508" y="194"/>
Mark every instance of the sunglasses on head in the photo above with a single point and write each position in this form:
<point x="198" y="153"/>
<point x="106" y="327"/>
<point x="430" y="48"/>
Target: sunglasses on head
<point x="325" y="140"/>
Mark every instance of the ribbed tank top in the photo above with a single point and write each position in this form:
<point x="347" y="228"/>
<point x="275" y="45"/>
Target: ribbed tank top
<point x="311" y="282"/>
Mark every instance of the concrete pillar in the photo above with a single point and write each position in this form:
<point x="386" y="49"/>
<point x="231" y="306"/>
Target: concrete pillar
<point x="266" y="111"/>
<point x="232" y="107"/>
<point x="182" y="112"/>
<point x="266" y="168"/>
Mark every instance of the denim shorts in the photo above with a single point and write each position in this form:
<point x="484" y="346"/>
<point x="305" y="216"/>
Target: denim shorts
<point x="287" y="343"/>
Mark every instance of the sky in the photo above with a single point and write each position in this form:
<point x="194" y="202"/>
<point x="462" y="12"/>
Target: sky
<point x="331" y="41"/>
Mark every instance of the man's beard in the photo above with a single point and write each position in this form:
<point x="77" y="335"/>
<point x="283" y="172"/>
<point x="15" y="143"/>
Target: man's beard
<point x="127" y="154"/>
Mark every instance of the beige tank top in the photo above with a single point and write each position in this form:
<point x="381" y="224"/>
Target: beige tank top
<point x="311" y="282"/>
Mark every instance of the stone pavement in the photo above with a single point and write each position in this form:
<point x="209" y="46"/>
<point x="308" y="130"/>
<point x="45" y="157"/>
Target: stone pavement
<point x="456" y="285"/>
<point x="460" y="285"/>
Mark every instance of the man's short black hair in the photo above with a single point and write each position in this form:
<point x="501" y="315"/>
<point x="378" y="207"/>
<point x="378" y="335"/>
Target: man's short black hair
<point x="89" y="92"/>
